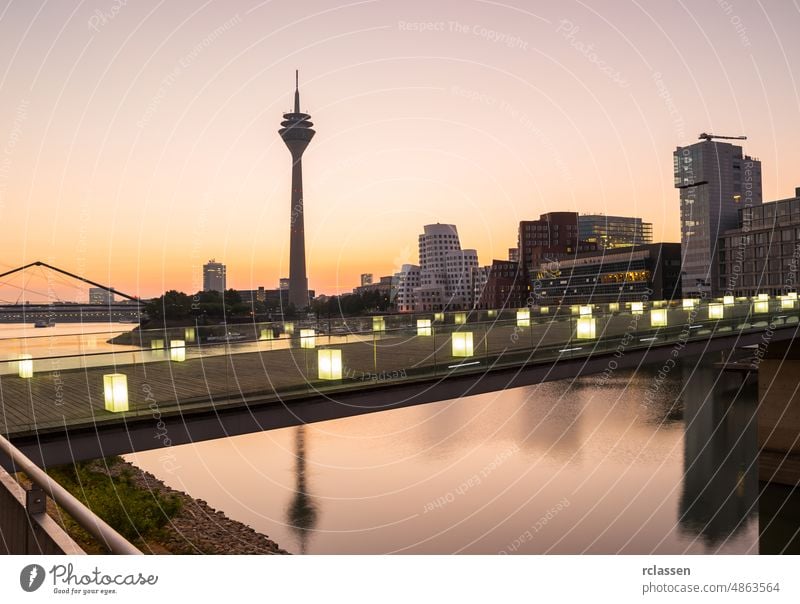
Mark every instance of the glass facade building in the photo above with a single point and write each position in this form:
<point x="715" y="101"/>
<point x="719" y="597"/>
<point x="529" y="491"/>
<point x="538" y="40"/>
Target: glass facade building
<point x="715" y="181"/>
<point x="609" y="232"/>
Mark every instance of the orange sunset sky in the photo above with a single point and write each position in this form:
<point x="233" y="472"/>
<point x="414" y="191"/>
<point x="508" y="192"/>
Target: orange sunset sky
<point x="139" y="139"/>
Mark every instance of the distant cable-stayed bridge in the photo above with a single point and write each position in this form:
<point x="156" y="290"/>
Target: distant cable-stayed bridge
<point x="52" y="309"/>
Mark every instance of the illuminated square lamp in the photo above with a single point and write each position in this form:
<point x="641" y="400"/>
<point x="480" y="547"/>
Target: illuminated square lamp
<point x="177" y="351"/>
<point x="716" y="311"/>
<point x="585" y="311"/>
<point x="462" y="344"/>
<point x="267" y="334"/>
<point x="157" y="344"/>
<point x="544" y="310"/>
<point x="728" y="300"/>
<point x="762" y="297"/>
<point x="613" y="307"/>
<point x="761" y="306"/>
<point x="523" y="317"/>
<point x="189" y="334"/>
<point x="491" y="313"/>
<point x="586" y="328"/>
<point x="26" y="366"/>
<point x="792" y="295"/>
<point x="688" y="303"/>
<point x="637" y="308"/>
<point x="460" y="318"/>
<point x="115" y="389"/>
<point x="424" y="327"/>
<point x="288" y="328"/>
<point x="439" y="316"/>
<point x="658" y="317"/>
<point x="329" y="361"/>
<point x="575" y="309"/>
<point x="378" y="324"/>
<point x="308" y="338"/>
<point x="658" y="303"/>
<point x="787" y="303"/>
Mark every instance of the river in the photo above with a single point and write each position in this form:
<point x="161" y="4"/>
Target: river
<point x="632" y="464"/>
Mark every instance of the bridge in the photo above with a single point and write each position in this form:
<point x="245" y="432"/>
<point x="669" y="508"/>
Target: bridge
<point x="60" y="311"/>
<point x="88" y="395"/>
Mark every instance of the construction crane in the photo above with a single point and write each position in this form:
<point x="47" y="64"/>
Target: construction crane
<point x="708" y="137"/>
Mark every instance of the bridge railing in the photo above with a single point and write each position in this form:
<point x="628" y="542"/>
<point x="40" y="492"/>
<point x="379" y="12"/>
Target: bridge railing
<point x="151" y="372"/>
<point x="35" y="510"/>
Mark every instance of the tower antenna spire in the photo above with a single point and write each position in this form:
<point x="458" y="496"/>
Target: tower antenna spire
<point x="297" y="91"/>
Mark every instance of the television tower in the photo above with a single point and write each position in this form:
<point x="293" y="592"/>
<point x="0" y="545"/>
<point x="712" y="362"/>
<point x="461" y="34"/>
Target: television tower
<point x="297" y="131"/>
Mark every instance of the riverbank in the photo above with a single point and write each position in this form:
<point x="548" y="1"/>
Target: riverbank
<point x="155" y="517"/>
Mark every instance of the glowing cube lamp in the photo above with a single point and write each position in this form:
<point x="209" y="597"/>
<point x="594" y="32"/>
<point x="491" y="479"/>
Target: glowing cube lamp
<point x="25" y="366"/>
<point x="424" y="327"/>
<point x="115" y="388"/>
<point x="523" y="317"/>
<point x="307" y="338"/>
<point x="462" y="344"/>
<point x="177" y="351"/>
<point x="586" y="328"/>
<point x="329" y="361"/>
<point x="658" y="317"/>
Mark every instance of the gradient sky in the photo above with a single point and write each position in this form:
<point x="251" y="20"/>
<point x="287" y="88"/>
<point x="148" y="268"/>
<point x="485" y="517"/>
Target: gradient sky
<point x="139" y="139"/>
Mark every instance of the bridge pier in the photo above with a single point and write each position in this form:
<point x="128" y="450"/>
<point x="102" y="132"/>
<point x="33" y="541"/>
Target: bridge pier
<point x="779" y="414"/>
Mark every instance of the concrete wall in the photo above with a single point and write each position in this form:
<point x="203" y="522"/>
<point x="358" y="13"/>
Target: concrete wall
<point x="24" y="534"/>
<point x="779" y="419"/>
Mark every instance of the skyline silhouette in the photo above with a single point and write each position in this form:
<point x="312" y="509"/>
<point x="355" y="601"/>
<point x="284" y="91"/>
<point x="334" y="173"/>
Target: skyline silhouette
<point x="137" y="146"/>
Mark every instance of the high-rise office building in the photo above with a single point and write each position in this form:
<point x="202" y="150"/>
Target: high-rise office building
<point x="760" y="256"/>
<point x="98" y="295"/>
<point x="609" y="232"/>
<point x="214" y="276"/>
<point x="715" y="180"/>
<point x="296" y="132"/>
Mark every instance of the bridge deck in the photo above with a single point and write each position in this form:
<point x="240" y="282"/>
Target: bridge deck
<point x="55" y="399"/>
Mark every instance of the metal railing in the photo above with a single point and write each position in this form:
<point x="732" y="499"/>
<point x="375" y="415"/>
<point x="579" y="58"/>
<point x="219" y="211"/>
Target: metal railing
<point x="44" y="486"/>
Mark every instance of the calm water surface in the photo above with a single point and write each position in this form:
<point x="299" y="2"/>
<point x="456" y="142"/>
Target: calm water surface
<point x="574" y="466"/>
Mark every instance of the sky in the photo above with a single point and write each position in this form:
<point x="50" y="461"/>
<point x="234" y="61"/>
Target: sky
<point x="139" y="139"/>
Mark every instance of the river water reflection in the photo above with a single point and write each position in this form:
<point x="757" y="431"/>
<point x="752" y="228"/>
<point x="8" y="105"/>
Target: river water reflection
<point x="573" y="466"/>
